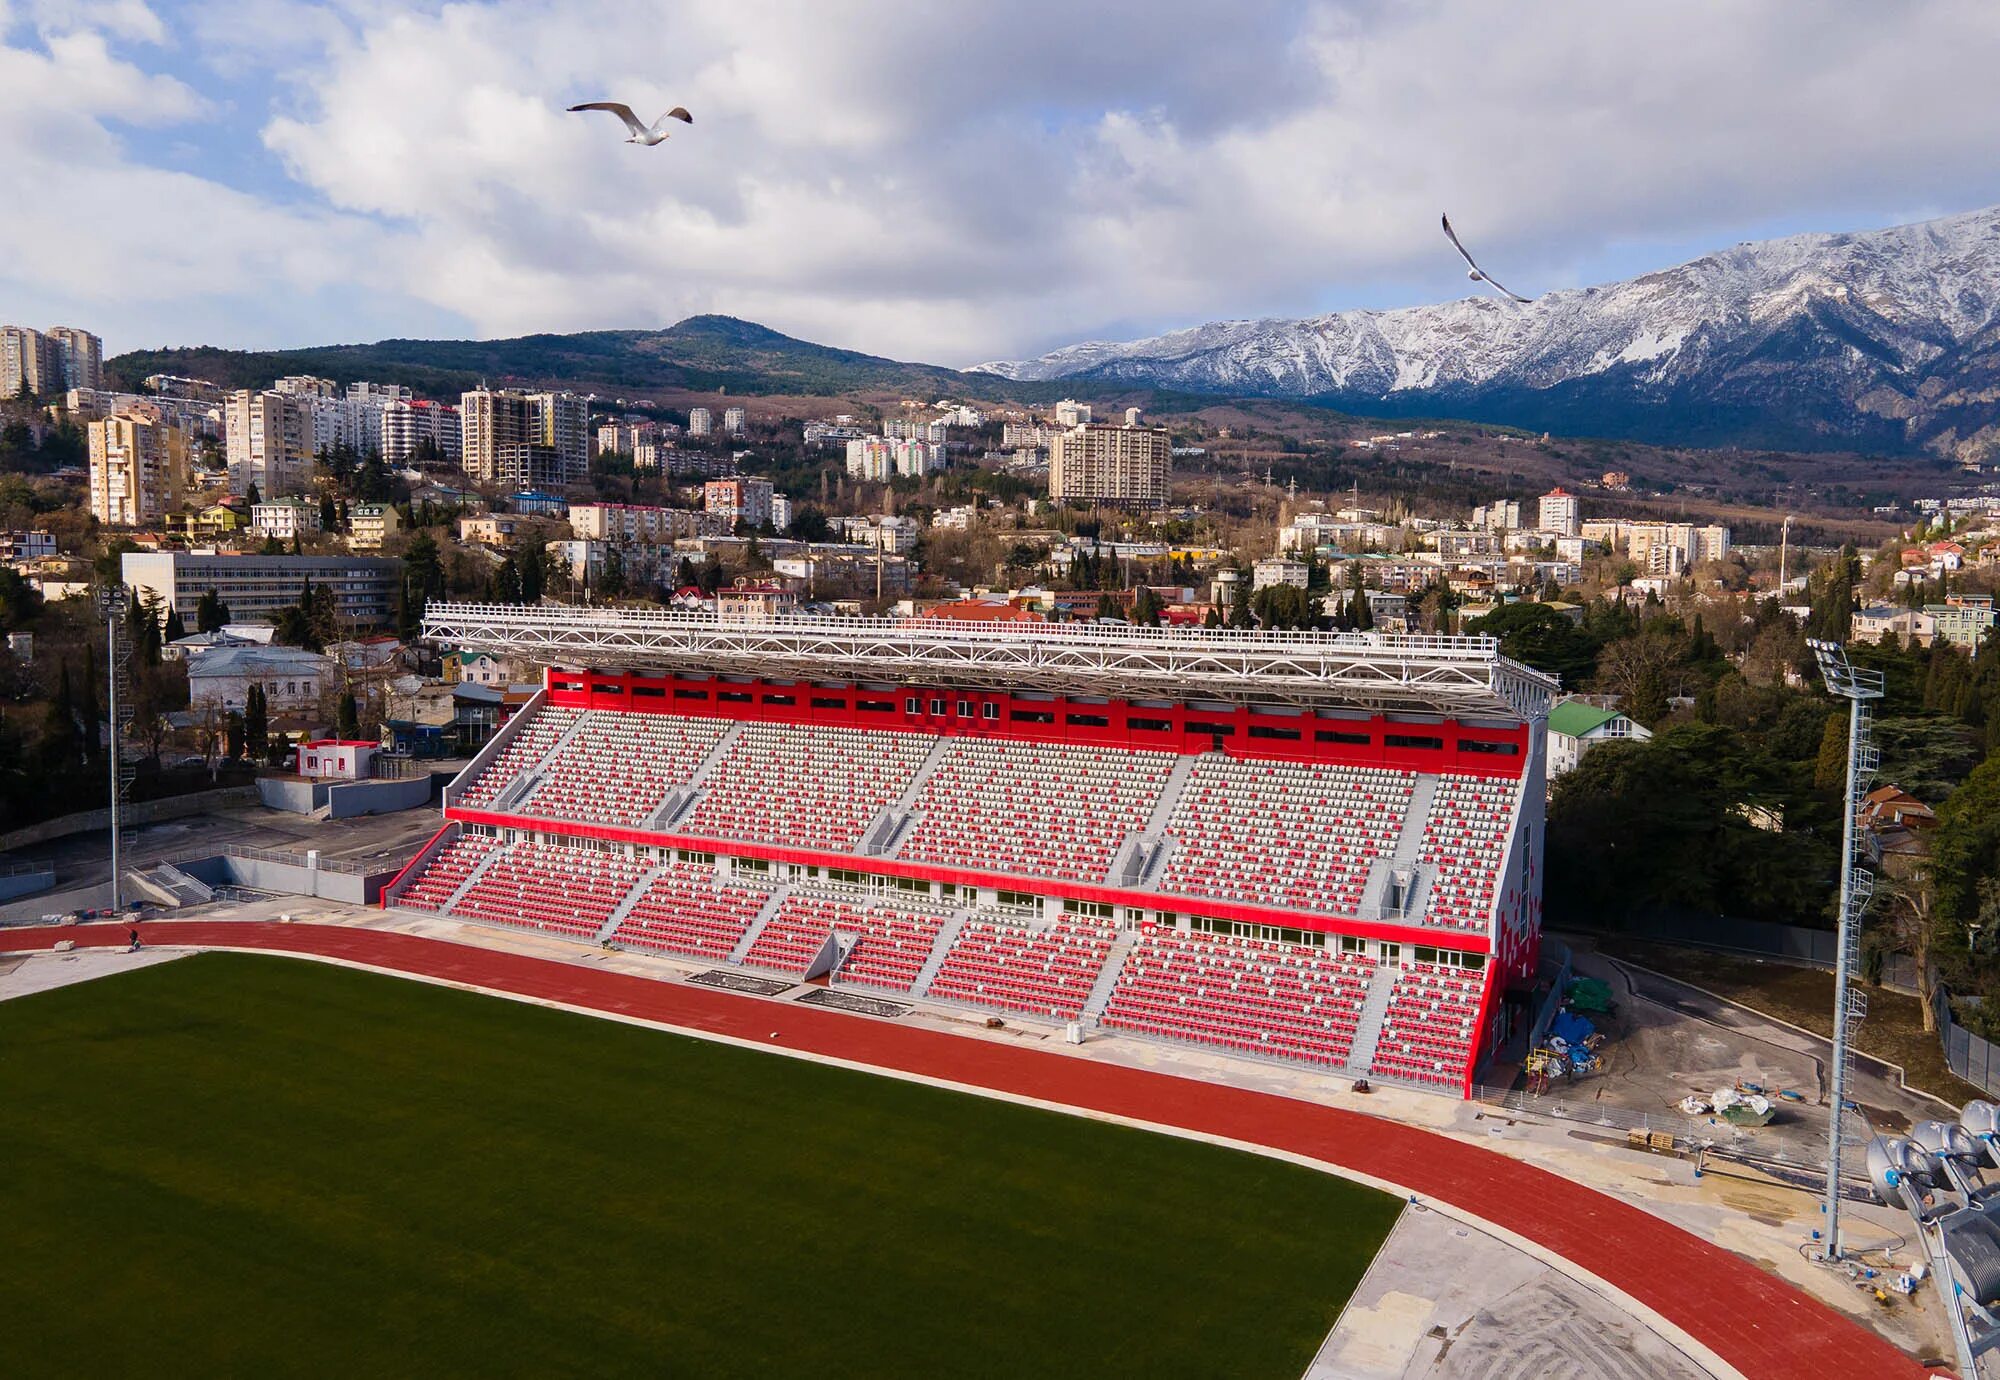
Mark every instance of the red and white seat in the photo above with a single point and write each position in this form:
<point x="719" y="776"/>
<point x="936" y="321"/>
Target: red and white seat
<point x="544" y="886"/>
<point x="1283" y="834"/>
<point x="807" y="786"/>
<point x="446" y="871"/>
<point x="529" y="746"/>
<point x="689" y="910"/>
<point x="1034" y="809"/>
<point x="619" y="767"/>
<point x="1464" y="841"/>
<point x="1432" y="1021"/>
<point x="893" y="940"/>
<point x="1038" y="971"/>
<point x="1247" y="996"/>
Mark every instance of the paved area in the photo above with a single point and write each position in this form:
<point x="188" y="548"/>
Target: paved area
<point x="1724" y="1304"/>
<point x="23" y="975"/>
<point x="1446" y="1301"/>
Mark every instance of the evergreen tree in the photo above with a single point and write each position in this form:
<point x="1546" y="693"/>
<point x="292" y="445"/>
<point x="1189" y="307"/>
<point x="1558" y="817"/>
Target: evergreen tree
<point x="234" y="731"/>
<point x="175" y="629"/>
<point x="329" y="515"/>
<point x="423" y="566"/>
<point x="1146" y="607"/>
<point x="350" y="716"/>
<point x="1106" y="606"/>
<point x="256" y="724"/>
<point x="251" y="496"/>
<point x="1359" y="614"/>
<point x="533" y="570"/>
<point x="507" y="582"/>
<point x="1239" y="610"/>
<point x="89" y="709"/>
<point x="211" y="613"/>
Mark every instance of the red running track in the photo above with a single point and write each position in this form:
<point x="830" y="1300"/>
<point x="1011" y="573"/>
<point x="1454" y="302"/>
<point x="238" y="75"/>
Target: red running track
<point x="1754" y="1321"/>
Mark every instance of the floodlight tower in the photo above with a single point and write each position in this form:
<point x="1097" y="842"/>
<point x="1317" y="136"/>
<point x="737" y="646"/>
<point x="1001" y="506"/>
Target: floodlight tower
<point x="112" y="606"/>
<point x="1850" y="1004"/>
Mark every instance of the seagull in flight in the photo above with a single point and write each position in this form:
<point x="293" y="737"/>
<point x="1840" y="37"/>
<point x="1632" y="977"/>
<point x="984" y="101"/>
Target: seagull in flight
<point x="1473" y="270"/>
<point x="645" y="134"/>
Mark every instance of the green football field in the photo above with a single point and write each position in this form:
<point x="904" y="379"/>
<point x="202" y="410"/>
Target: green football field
<point x="241" y="1165"/>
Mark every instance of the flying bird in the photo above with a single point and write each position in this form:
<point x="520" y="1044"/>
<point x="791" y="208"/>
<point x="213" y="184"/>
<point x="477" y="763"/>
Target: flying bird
<point x="1473" y="270"/>
<point x="641" y="133"/>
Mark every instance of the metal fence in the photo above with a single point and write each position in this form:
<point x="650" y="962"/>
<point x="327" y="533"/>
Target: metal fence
<point x="1760" y="939"/>
<point x="1971" y="1057"/>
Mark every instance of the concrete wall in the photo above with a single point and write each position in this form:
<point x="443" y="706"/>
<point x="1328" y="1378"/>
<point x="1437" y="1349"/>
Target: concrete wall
<point x="132" y="815"/>
<point x="26" y="883"/>
<point x="288" y="878"/>
<point x="348" y="798"/>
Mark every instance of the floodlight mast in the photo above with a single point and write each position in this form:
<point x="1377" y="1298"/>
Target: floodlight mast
<point x="112" y="607"/>
<point x="1856" y="687"/>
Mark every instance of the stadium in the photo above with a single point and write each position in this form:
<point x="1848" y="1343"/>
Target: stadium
<point x="1292" y="846"/>
<point x="877" y="996"/>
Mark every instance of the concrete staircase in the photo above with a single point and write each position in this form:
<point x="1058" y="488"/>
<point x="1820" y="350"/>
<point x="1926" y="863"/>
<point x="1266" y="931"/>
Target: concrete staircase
<point x="1170" y="793"/>
<point x="1107" y="977"/>
<point x="680" y="800"/>
<point x="624" y="907"/>
<point x="472" y="877"/>
<point x="1143" y="856"/>
<point x="1368" y="1027"/>
<point x="1415" y="817"/>
<point x="947" y="937"/>
<point x="890" y="829"/>
<point x="779" y="895"/>
<point x="187" y="891"/>
<point x="516" y="792"/>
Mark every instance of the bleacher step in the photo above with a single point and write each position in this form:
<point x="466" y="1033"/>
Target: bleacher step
<point x="1170" y="793"/>
<point x="530" y="780"/>
<point x="1416" y="815"/>
<point x="779" y="895"/>
<point x="1107" y="977"/>
<point x="682" y="798"/>
<point x="948" y="936"/>
<point x="1368" y="1025"/>
<point x="631" y="899"/>
<point x="472" y="877"/>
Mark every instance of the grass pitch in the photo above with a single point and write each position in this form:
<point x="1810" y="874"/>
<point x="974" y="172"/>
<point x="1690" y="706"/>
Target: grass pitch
<point x="242" y="1165"/>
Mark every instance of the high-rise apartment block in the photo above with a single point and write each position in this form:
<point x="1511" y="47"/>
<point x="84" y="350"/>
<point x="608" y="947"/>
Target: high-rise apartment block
<point x="80" y="356"/>
<point x="530" y="440"/>
<point x="29" y="363"/>
<point x="268" y="440"/>
<point x="1128" y="466"/>
<point x="882" y="458"/>
<point x="138" y="467"/>
<point x="700" y="423"/>
<point x="1071" y="413"/>
<point x="1559" y="513"/>
<point x="732" y="421"/>
<point x="407" y="425"/>
<point x="746" y="500"/>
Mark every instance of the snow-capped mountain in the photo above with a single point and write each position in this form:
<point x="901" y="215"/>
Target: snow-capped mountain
<point x="1889" y="339"/>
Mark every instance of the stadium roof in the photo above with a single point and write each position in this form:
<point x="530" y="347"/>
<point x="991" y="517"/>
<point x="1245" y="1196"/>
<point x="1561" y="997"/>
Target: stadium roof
<point x="1372" y="671"/>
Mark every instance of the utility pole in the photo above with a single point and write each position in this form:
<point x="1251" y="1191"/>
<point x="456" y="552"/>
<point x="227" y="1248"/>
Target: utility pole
<point x="1850" y="1004"/>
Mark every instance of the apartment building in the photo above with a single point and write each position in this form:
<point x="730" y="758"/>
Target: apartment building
<point x="138" y="467"/>
<point x="1127" y="466"/>
<point x="268" y="441"/>
<point x="259" y="587"/>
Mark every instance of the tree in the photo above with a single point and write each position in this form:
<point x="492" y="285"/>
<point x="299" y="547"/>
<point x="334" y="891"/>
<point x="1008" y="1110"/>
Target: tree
<point x="349" y="723"/>
<point x="424" y="568"/>
<point x="809" y="524"/>
<point x="507" y="582"/>
<point x="1539" y="636"/>
<point x="1360" y="616"/>
<point x="211" y="613"/>
<point x="175" y="629"/>
<point x="532" y="571"/>
<point x="611" y="582"/>
<point x="251" y="496"/>
<point x="1239" y="609"/>
<point x="233" y="730"/>
<point x="256" y="724"/>
<point x="1146" y="607"/>
<point x="329" y="514"/>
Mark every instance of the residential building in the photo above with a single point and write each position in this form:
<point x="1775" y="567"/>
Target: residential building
<point x="1577" y="726"/>
<point x="539" y="504"/>
<point x="1559" y="513"/>
<point x="881" y="458"/>
<point x="369" y="525"/>
<point x="1026" y="435"/>
<point x="260" y="587"/>
<point x="138" y="467"/>
<point x="407" y="424"/>
<point x="700" y="423"/>
<point x="745" y="499"/>
<point x="1503" y="515"/>
<point x="18" y="548"/>
<point x="1278" y="570"/>
<point x="285" y="519"/>
<point x="781" y="511"/>
<point x="1962" y="620"/>
<point x="292" y="677"/>
<point x="636" y="522"/>
<point x="1127" y="466"/>
<point x="1071" y="414"/>
<point x="488" y="529"/>
<point x="532" y="439"/>
<point x="732" y="421"/>
<point x="79" y="357"/>
<point x="908" y="429"/>
<point x="268" y="439"/>
<point x="894" y="536"/>
<point x="1878" y="621"/>
<point x="476" y="668"/>
<point x="30" y="362"/>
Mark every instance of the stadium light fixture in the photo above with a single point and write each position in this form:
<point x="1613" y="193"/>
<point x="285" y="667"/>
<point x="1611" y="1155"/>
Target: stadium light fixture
<point x="113" y="603"/>
<point x="1858" y="688"/>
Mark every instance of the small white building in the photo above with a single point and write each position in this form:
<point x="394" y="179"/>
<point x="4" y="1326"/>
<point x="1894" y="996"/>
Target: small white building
<point x="1279" y="570"/>
<point x="1576" y="726"/>
<point x="338" y="759"/>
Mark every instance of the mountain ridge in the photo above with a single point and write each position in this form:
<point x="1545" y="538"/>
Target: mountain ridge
<point x="1886" y="338"/>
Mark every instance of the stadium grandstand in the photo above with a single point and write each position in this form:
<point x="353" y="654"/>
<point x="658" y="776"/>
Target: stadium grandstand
<point x="1317" y="848"/>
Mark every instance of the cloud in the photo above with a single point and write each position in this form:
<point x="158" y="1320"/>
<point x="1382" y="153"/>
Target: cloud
<point x="958" y="182"/>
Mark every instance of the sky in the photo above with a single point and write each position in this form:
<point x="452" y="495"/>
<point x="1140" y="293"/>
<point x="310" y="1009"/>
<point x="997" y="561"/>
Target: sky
<point x="943" y="180"/>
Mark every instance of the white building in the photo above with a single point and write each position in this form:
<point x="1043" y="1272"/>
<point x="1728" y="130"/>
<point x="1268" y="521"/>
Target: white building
<point x="1071" y="413"/>
<point x="268" y="439"/>
<point x="291" y="676"/>
<point x="880" y="458"/>
<point x="408" y="423"/>
<point x="732" y="421"/>
<point x="700" y="422"/>
<point x="285" y="518"/>
<point x="630" y="522"/>
<point x="1559" y="513"/>
<point x="1129" y="466"/>
<point x="745" y="499"/>
<point x="893" y="536"/>
<point x="1278" y="570"/>
<point x="1576" y="726"/>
